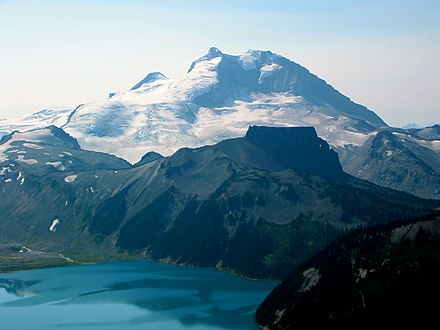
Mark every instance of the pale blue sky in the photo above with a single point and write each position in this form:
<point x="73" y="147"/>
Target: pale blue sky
<point x="383" y="54"/>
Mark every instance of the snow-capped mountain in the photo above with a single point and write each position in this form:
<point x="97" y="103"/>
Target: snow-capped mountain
<point x="219" y="97"/>
<point x="222" y="95"/>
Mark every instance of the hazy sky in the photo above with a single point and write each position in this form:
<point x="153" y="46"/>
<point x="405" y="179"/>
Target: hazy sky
<point x="382" y="54"/>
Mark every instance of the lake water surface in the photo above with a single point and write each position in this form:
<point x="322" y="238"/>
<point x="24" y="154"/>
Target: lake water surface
<point x="129" y="295"/>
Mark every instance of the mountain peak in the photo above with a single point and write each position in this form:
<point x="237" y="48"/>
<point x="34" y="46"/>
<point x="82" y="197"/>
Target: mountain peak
<point x="152" y="76"/>
<point x="411" y="125"/>
<point x="213" y="52"/>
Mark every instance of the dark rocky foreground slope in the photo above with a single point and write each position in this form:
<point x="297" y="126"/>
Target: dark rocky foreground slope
<point x="258" y="205"/>
<point x="382" y="276"/>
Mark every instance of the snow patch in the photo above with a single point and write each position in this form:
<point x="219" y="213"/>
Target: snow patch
<point x="8" y="180"/>
<point x="70" y="178"/>
<point x="32" y="146"/>
<point x="20" y="178"/>
<point x="3" y="158"/>
<point x="270" y="67"/>
<point x="389" y="153"/>
<point x="247" y="61"/>
<point x="267" y="71"/>
<point x="58" y="165"/>
<point x="4" y="170"/>
<point x="54" y="225"/>
<point x="29" y="161"/>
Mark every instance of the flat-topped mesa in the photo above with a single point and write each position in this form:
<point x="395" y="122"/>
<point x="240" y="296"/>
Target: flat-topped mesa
<point x="298" y="148"/>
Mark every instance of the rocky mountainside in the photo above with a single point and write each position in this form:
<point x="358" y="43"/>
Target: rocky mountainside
<point x="258" y="205"/>
<point x="427" y="133"/>
<point x="383" y="276"/>
<point x="400" y="160"/>
<point x="222" y="95"/>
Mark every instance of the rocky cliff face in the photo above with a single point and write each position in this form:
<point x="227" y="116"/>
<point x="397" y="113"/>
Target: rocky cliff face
<point x="297" y="147"/>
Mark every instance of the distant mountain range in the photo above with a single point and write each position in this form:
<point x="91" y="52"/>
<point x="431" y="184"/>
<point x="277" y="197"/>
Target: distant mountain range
<point x="222" y="95"/>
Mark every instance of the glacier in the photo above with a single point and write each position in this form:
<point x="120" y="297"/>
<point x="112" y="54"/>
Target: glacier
<point x="219" y="97"/>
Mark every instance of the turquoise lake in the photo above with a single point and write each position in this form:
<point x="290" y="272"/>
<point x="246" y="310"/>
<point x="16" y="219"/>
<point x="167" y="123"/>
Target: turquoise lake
<point x="129" y="295"/>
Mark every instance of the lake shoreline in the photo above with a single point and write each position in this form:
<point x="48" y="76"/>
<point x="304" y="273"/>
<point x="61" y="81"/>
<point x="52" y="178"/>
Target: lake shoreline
<point x="21" y="258"/>
<point x="133" y="294"/>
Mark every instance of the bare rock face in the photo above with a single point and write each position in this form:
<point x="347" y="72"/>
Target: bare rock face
<point x="297" y="147"/>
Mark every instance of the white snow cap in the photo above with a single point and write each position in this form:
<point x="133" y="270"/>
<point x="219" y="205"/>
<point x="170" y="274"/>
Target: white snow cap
<point x="218" y="98"/>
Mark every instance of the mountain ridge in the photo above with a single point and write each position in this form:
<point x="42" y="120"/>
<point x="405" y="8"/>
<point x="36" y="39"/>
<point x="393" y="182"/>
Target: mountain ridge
<point x="199" y="206"/>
